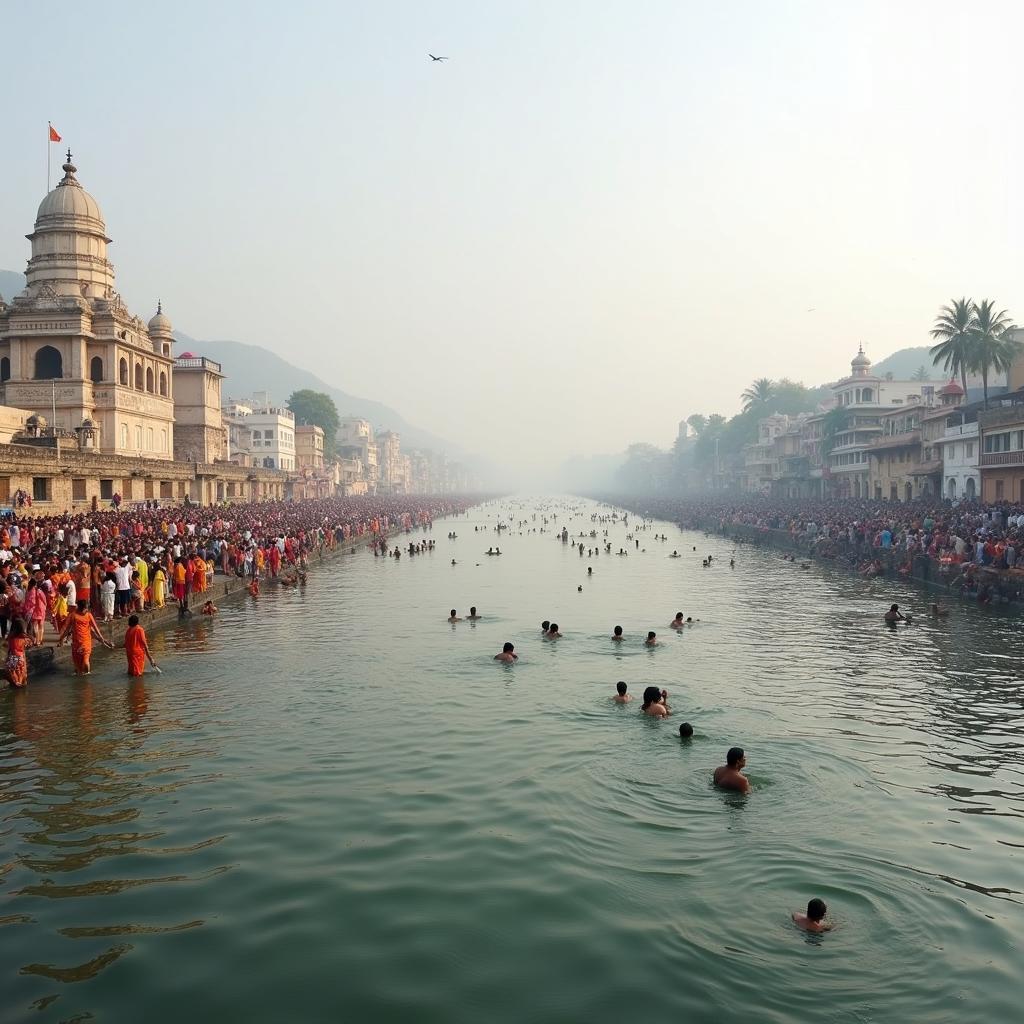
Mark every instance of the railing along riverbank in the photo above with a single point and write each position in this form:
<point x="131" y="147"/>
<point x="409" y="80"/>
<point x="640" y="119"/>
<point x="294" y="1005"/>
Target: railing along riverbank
<point x="963" y="580"/>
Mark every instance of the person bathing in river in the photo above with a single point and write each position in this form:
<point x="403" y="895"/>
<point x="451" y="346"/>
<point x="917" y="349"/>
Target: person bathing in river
<point x="82" y="628"/>
<point x="893" y="615"/>
<point x="814" y="919"/>
<point x="617" y="634"/>
<point x="678" y="622"/>
<point x="652" y="639"/>
<point x="730" y="775"/>
<point x="472" y="617"/>
<point x="621" y="697"/>
<point x="508" y="654"/>
<point x="136" y="647"/>
<point x="453" y="616"/>
<point x="655" y="703"/>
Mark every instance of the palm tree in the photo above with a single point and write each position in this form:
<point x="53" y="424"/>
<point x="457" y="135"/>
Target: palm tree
<point x="992" y="346"/>
<point x="921" y="373"/>
<point x="952" y="330"/>
<point x="759" y="394"/>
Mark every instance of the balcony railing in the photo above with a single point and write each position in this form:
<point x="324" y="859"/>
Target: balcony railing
<point x="989" y="459"/>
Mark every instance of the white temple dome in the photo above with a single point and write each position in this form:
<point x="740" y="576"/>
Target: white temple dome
<point x="160" y="324"/>
<point x="860" y="359"/>
<point x="69" y="199"/>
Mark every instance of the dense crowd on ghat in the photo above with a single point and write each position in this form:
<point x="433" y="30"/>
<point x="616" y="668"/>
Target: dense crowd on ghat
<point x="969" y="542"/>
<point x="75" y="569"/>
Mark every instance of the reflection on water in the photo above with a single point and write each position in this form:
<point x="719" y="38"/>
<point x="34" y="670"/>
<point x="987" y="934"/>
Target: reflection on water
<point x="337" y="793"/>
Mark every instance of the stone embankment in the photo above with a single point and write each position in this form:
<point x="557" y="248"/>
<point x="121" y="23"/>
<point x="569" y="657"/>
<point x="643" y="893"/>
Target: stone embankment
<point x="991" y="586"/>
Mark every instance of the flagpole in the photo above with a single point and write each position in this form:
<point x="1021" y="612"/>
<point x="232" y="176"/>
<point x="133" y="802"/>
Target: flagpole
<point x="49" y="128"/>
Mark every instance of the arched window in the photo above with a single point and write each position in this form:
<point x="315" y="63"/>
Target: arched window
<point x="122" y="372"/>
<point x="138" y="438"/>
<point x="5" y="369"/>
<point x="969" y="488"/>
<point x="952" y="488"/>
<point x="138" y="376"/>
<point x="96" y="370"/>
<point x="163" y="383"/>
<point x="149" y="439"/>
<point x="268" y="463"/>
<point x="149" y="380"/>
<point x="124" y="435"/>
<point x="49" y="364"/>
<point x="163" y="440"/>
<point x="867" y="395"/>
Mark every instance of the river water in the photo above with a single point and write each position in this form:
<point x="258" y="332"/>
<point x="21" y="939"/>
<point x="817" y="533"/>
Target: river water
<point x="336" y="806"/>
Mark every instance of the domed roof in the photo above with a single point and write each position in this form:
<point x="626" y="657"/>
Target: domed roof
<point x="160" y="324"/>
<point x="69" y="199"/>
<point x="860" y="359"/>
<point x="952" y="388"/>
<point x="187" y="355"/>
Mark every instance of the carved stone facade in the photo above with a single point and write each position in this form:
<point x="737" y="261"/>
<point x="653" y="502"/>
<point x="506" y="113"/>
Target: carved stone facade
<point x="69" y="349"/>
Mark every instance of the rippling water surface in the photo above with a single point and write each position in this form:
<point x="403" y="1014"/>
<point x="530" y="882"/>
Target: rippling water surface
<point x="338" y="807"/>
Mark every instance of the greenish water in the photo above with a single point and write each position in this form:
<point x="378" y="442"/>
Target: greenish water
<point x="338" y="807"/>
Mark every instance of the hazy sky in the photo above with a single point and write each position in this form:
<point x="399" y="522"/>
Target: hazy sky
<point x="595" y="219"/>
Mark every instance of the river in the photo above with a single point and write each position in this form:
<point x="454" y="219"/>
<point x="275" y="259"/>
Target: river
<point x="334" y="805"/>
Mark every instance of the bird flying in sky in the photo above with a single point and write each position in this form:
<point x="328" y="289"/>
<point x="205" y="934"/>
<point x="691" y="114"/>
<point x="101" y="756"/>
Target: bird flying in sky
<point x="432" y="57"/>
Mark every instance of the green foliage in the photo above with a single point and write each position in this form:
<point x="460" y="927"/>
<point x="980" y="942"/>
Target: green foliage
<point x="991" y="346"/>
<point x="921" y="373"/>
<point x="759" y="395"/>
<point x="315" y="407"/>
<point x="953" y="330"/>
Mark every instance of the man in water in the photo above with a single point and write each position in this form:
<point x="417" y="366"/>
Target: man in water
<point x="617" y="634"/>
<point x="678" y="622"/>
<point x="508" y="654"/>
<point x="545" y="626"/>
<point x="892" y="616"/>
<point x="553" y="633"/>
<point x="473" y="615"/>
<point x="814" y="919"/>
<point x="621" y="697"/>
<point x="685" y="731"/>
<point x="730" y="775"/>
<point x="652" y="639"/>
<point x="453" y="617"/>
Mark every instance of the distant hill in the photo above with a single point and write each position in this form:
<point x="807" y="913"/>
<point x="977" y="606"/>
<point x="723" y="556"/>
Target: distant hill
<point x="906" y="362"/>
<point x="250" y="369"/>
<point x="11" y="284"/>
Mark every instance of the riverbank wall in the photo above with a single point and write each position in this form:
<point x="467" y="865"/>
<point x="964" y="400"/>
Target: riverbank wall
<point x="989" y="586"/>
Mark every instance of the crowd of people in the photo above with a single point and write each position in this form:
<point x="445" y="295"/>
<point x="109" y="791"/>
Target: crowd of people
<point x="975" y="549"/>
<point x="78" y="569"/>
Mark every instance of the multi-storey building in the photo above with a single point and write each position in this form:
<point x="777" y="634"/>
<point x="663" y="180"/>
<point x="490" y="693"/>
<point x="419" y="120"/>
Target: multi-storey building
<point x="263" y="434"/>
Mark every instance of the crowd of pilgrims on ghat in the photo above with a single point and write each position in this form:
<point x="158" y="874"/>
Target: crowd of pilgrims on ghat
<point x="76" y="569"/>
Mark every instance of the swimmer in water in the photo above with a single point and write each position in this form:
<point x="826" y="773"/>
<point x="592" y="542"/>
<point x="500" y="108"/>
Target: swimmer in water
<point x="472" y="617"/>
<point x="730" y="775"/>
<point x="453" y="562"/>
<point x="814" y="919"/>
<point x="654" y="705"/>
<point x="553" y="633"/>
<point x="617" y="634"/>
<point x="621" y="697"/>
<point x="590" y="570"/>
<point x="685" y="731"/>
<point x="209" y="609"/>
<point x="892" y="616"/>
<point x="508" y="654"/>
<point x="579" y="589"/>
<point x="675" y="554"/>
<point x="545" y="626"/>
<point x="678" y="622"/>
<point x="453" y="617"/>
<point x="652" y="639"/>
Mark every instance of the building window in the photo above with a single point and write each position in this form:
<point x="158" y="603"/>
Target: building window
<point x="268" y="463"/>
<point x="138" y="438"/>
<point x="999" y="489"/>
<point x="124" y="435"/>
<point x="122" y="372"/>
<point x="106" y="489"/>
<point x="5" y="369"/>
<point x="167" y="349"/>
<point x="49" y="364"/>
<point x="997" y="442"/>
<point x="163" y="383"/>
<point x="149" y="380"/>
<point x="149" y="439"/>
<point x="866" y="395"/>
<point x="40" y="488"/>
<point x="96" y="370"/>
<point x="138" y="376"/>
<point x="78" y="490"/>
<point x="163" y="440"/>
<point x="969" y="450"/>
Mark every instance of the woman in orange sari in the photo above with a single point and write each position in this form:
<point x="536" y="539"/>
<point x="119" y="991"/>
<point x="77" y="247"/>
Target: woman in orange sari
<point x="82" y="628"/>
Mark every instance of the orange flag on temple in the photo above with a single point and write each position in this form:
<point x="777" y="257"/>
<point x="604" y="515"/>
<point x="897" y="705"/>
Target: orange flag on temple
<point x="54" y="135"/>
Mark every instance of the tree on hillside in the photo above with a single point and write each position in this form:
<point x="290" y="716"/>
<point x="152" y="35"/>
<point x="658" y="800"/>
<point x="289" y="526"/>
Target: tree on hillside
<point x="921" y="373"/>
<point x="835" y="422"/>
<point x="758" y="395"/>
<point x="953" y="332"/>
<point x="991" y="346"/>
<point x="316" y="408"/>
